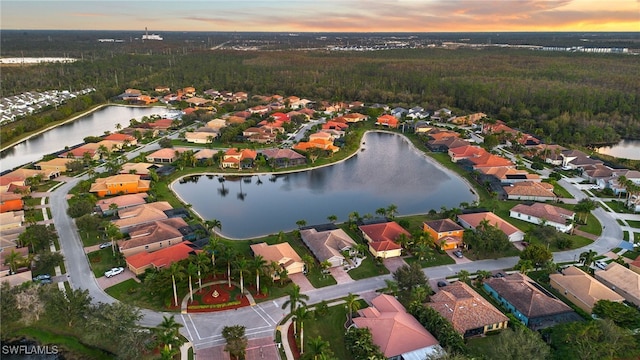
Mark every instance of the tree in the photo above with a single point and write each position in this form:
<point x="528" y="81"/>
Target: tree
<point x="359" y="342"/>
<point x="520" y="343"/>
<point x="301" y="223"/>
<point x="381" y="211"/>
<point x="13" y="260"/>
<point x="37" y="237"/>
<point x="296" y="298"/>
<point x="69" y="307"/>
<point x="113" y="233"/>
<point x="301" y="314"/>
<point x="309" y="262"/>
<point x="236" y="341"/>
<point x="409" y="277"/>
<point x="463" y="275"/>
<point x="318" y="349"/>
<point x="588" y="257"/>
<point x="176" y="271"/>
<point x="212" y="225"/>
<point x="258" y="264"/>
<point x="537" y="254"/>
<point x="332" y="218"/>
<point x="168" y="333"/>
<point x="621" y="314"/>
<point x="229" y="255"/>
<point x="585" y="206"/>
<point x="242" y="268"/>
<point x="391" y="287"/>
<point x="524" y="266"/>
<point x="353" y="305"/>
<point x="595" y="339"/>
<point x="200" y="260"/>
<point x="191" y="270"/>
<point x="392" y="211"/>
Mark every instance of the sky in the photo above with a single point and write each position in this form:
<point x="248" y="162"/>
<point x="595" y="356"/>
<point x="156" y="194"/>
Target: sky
<point x="323" y="15"/>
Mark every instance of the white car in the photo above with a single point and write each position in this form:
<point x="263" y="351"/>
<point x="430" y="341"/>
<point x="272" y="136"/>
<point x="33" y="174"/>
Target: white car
<point x="601" y="264"/>
<point x="113" y="272"/>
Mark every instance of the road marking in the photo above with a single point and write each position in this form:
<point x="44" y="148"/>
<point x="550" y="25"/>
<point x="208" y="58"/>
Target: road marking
<point x="263" y="318"/>
<point x="194" y="326"/>
<point x="266" y="313"/>
<point x="186" y="326"/>
<point x="275" y="303"/>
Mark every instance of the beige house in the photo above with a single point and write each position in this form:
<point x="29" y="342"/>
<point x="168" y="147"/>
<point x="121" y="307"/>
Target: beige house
<point x="328" y="245"/>
<point x="200" y="137"/>
<point x="471" y="221"/>
<point x="58" y="165"/>
<point x="582" y="289"/>
<point x="105" y="206"/>
<point x="141" y="214"/>
<point x="152" y="236"/>
<point x="11" y="220"/>
<point x="530" y="190"/>
<point x="283" y="254"/>
<point x="382" y="238"/>
<point x="621" y="280"/>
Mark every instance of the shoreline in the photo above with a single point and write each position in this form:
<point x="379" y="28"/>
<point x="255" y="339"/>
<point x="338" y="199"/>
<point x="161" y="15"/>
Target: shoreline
<point x="413" y="147"/>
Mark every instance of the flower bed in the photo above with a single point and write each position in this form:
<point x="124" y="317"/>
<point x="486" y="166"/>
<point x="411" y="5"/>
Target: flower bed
<point x="217" y="297"/>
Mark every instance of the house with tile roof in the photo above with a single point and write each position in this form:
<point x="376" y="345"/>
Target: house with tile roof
<point x="398" y="334"/>
<point x="489" y="160"/>
<point x="120" y="184"/>
<point x="539" y="213"/>
<point x="444" y="232"/>
<point x="122" y="138"/>
<point x="7" y="181"/>
<point x="468" y="120"/>
<point x="596" y="172"/>
<point x="465" y="152"/>
<point x="161" y="124"/>
<point x="317" y="143"/>
<point x="529" y="302"/>
<point x="282" y="254"/>
<point x="162" y="156"/>
<point x="58" y="165"/>
<point x="509" y="175"/>
<point x="159" y="259"/>
<point x="200" y="137"/>
<point x="216" y="124"/>
<point x="440" y="134"/>
<point x="111" y="205"/>
<point x="529" y="190"/>
<point x="623" y="281"/>
<point x="468" y="312"/>
<point x="575" y="159"/>
<point x="152" y="236"/>
<point x="20" y="175"/>
<point x="238" y="159"/>
<point x="473" y="220"/>
<point x="142" y="169"/>
<point x="141" y="214"/>
<point x="355" y="117"/>
<point x="389" y="121"/>
<point x="205" y="154"/>
<point x="327" y="245"/>
<point x="635" y="265"/>
<point x="282" y="158"/>
<point x="10" y="202"/>
<point x="581" y="288"/>
<point x="444" y="144"/>
<point x="11" y="220"/>
<point x="382" y="238"/>
<point x="78" y="153"/>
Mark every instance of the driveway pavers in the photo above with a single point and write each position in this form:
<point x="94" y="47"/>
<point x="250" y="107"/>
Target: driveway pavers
<point x="392" y="264"/>
<point x="301" y="280"/>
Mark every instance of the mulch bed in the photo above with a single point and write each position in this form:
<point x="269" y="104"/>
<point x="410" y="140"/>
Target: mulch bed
<point x="293" y="344"/>
<point x="224" y="296"/>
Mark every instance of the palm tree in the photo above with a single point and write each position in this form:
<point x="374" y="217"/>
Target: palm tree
<point x="392" y="211"/>
<point x="422" y="251"/>
<point x="242" y="267"/>
<point x="463" y="275"/>
<point x="295" y="298"/>
<point x="301" y="314"/>
<point x="176" y="271"/>
<point x="201" y="259"/>
<point x="258" y="264"/>
<point x="13" y="259"/>
<point x="212" y="247"/>
<point x="524" y="266"/>
<point x="113" y="233"/>
<point x="212" y="225"/>
<point x="381" y="211"/>
<point x="191" y="270"/>
<point x="332" y="218"/>
<point x="352" y="304"/>
<point x="301" y="223"/>
<point x="588" y="257"/>
<point x="168" y="332"/>
<point x="325" y="265"/>
<point x="228" y="255"/>
<point x="309" y="261"/>
<point x="585" y="206"/>
<point x="391" y="287"/>
<point x="317" y="348"/>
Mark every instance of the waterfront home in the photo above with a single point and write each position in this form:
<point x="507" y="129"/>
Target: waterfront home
<point x="509" y="175"/>
<point x="112" y="205"/>
<point x="161" y="124"/>
<point x="544" y="214"/>
<point x="205" y="154"/>
<point x="160" y="259"/>
<point x="465" y="152"/>
<point x="282" y="254"/>
<point x="581" y="288"/>
<point x="389" y="121"/>
<point x="90" y="149"/>
<point x="10" y="202"/>
<point x="163" y="156"/>
<point x="382" y="237"/>
<point x="119" y="184"/>
<point x="141" y="214"/>
<point x="529" y="302"/>
<point x="468" y="312"/>
<point x="623" y="281"/>
<point x="489" y="160"/>
<point x="58" y="165"/>
<point x="574" y="159"/>
<point x="327" y="243"/>
<point x="473" y="220"/>
<point x="238" y="159"/>
<point x="282" y="158"/>
<point x="152" y="236"/>
<point x="142" y="169"/>
<point x="529" y="190"/>
<point x="445" y="233"/>
<point x="444" y="144"/>
<point x="11" y="182"/>
<point x="320" y="140"/>
<point x="122" y="138"/>
<point x="398" y="334"/>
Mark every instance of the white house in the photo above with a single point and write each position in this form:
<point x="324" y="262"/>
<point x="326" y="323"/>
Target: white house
<point x="539" y="213"/>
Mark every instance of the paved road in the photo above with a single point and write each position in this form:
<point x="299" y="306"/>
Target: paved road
<point x="204" y="330"/>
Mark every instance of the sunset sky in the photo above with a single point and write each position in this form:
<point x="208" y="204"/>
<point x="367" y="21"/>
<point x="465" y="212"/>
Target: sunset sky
<point x="324" y="15"/>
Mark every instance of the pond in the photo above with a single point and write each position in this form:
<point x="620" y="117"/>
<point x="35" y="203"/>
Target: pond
<point x="388" y="170"/>
<point x="625" y="149"/>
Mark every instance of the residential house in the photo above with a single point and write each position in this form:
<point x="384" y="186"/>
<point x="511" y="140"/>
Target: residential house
<point x="355" y="117"/>
<point x="162" y="89"/>
<point x="79" y="153"/>
<point x="217" y="124"/>
<point x="389" y="121"/>
<point x="509" y="175"/>
<point x="581" y="288"/>
<point x="468" y="120"/>
<point x="159" y="259"/>
<point x="18" y="176"/>
<point x="614" y="184"/>
<point x="440" y="134"/>
<point x="635" y="265"/>
<point x="22" y="275"/>
<point x="473" y="220"/>
<point x="574" y="159"/>
<point x="320" y="140"/>
<point x="544" y="214"/>
<point x="238" y="159"/>
<point x="198" y="101"/>
<point x="445" y="233"/>
<point x="112" y="205"/>
<point x="165" y="156"/>
<point x="259" y="109"/>
<point x="465" y="152"/>
<point x="489" y="160"/>
<point x="382" y="238"/>
<point x="468" y="312"/>
<point x="597" y="172"/>
<point x="120" y="184"/>
<point x="261" y="135"/>
<point x="200" y="137"/>
<point x="398" y="334"/>
<point x="57" y="165"/>
<point x="551" y="153"/>
<point x="142" y="169"/>
<point x="152" y="236"/>
<point x="282" y="158"/>
<point x="633" y="203"/>
<point x="11" y="220"/>
<point x="204" y="155"/>
<point x="122" y="138"/>
<point x="623" y="281"/>
<point x="161" y="124"/>
<point x="141" y="214"/>
<point x="327" y="244"/>
<point x="529" y="190"/>
<point x="282" y="254"/>
<point x="399" y="112"/>
<point x="529" y="302"/>
<point x="7" y="182"/>
<point x="10" y="202"/>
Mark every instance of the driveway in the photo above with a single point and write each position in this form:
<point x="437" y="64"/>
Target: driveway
<point x="105" y="282"/>
<point x="462" y="260"/>
<point x="301" y="280"/>
<point x="340" y="275"/>
<point x="392" y="264"/>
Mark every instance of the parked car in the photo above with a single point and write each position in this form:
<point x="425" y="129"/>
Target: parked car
<point x="458" y="254"/>
<point x="105" y="245"/>
<point x="113" y="272"/>
<point x="601" y="264"/>
<point x="498" y="275"/>
<point x="442" y="283"/>
<point x="42" y="277"/>
<point x="45" y="281"/>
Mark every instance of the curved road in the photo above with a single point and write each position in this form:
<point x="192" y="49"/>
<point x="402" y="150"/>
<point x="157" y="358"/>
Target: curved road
<point x="204" y="329"/>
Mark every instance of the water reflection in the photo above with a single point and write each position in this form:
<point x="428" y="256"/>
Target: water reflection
<point x="626" y="149"/>
<point x="389" y="172"/>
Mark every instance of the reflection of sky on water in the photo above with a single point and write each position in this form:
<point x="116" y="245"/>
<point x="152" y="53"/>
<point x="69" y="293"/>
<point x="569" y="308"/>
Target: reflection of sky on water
<point x="387" y="172"/>
<point x="627" y="149"/>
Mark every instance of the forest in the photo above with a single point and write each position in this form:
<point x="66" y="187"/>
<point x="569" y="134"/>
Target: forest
<point x="567" y="98"/>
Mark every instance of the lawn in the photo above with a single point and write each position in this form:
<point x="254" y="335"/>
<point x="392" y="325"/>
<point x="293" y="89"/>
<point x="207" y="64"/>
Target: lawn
<point x="134" y="293"/>
<point x="368" y="268"/>
<point x="559" y="190"/>
<point x="103" y="260"/>
<point x="318" y="279"/>
<point x="93" y="237"/>
<point x="482" y="347"/>
<point x="592" y="226"/>
<point x="67" y="342"/>
<point x="631" y="254"/>
<point x="436" y="259"/>
<point x="32" y="201"/>
<point x="618" y="206"/>
<point x="634" y="224"/>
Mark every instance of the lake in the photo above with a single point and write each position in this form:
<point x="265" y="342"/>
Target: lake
<point x="626" y="149"/>
<point x="388" y="171"/>
<point x="73" y="133"/>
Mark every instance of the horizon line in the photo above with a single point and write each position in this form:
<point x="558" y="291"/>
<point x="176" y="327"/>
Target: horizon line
<point x="337" y="32"/>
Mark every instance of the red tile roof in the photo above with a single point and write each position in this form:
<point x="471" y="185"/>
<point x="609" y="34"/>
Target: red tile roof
<point x="161" y="258"/>
<point x="475" y="219"/>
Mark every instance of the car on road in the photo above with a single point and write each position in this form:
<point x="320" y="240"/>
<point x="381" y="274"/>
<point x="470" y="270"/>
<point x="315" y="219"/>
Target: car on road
<point x="105" y="245"/>
<point x="601" y="264"/>
<point x="113" y="272"/>
<point x="442" y="283"/>
<point x="42" y="277"/>
<point x="458" y="254"/>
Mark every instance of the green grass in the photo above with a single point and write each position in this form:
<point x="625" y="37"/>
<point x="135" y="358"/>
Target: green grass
<point x="631" y="254"/>
<point x="482" y="347"/>
<point x="32" y="201"/>
<point x="35" y="214"/>
<point x="137" y="294"/>
<point x="620" y="222"/>
<point x="634" y="224"/>
<point x="436" y="259"/>
<point x="636" y="236"/>
<point x="592" y="226"/>
<point x="93" y="237"/>
<point x="618" y="206"/>
<point x="103" y="260"/>
<point x="318" y="279"/>
<point x="625" y="235"/>
<point x="66" y="342"/>
<point x="368" y="268"/>
<point x="559" y="190"/>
